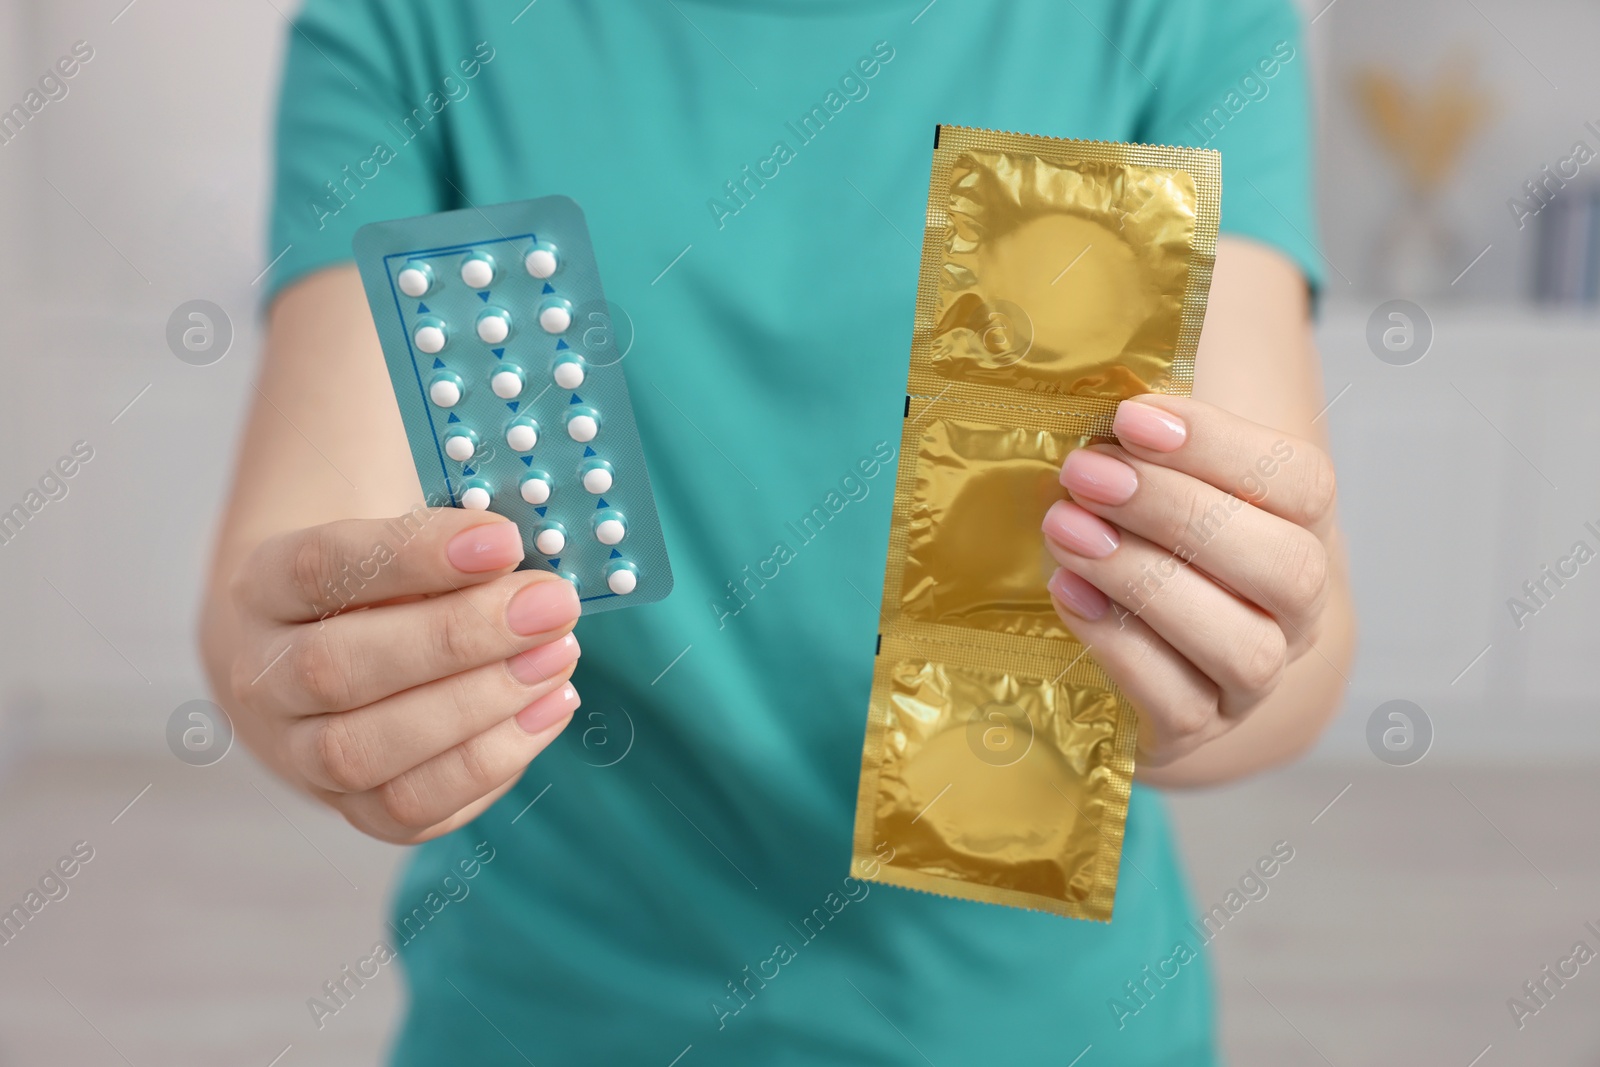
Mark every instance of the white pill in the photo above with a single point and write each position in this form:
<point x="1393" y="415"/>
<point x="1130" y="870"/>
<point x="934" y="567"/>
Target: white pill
<point x="430" y="339"/>
<point x="413" y="282"/>
<point x="522" y="437"/>
<point x="492" y="329"/>
<point x="597" y="481"/>
<point x="622" y="581"/>
<point x="459" y="448"/>
<point x="536" y="490"/>
<point x="555" y="319"/>
<point x="582" y="428"/>
<point x="569" y="375"/>
<point x="550" y="542"/>
<point x="477" y="273"/>
<point x="475" y="498"/>
<point x="541" y="262"/>
<point x="445" y="393"/>
<point x="610" y="531"/>
<point x="506" y="385"/>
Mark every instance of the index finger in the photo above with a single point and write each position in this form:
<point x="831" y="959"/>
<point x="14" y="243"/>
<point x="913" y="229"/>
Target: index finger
<point x="313" y="573"/>
<point x="1279" y="473"/>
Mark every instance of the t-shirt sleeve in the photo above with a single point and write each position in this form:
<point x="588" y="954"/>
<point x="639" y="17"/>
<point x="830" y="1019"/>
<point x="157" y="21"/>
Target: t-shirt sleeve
<point x="352" y="144"/>
<point x="1233" y="75"/>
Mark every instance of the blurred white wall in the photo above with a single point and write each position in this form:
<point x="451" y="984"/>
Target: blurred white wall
<point x="1464" y="474"/>
<point x="14" y="175"/>
<point x="158" y="162"/>
<point x="141" y="189"/>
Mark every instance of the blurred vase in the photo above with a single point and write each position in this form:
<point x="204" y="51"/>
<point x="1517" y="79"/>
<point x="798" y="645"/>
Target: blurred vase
<point x="1417" y="253"/>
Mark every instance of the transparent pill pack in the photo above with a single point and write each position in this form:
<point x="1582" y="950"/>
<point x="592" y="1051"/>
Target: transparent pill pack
<point x="506" y="368"/>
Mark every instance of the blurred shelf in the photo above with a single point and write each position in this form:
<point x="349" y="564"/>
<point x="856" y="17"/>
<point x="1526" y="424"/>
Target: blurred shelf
<point x="1339" y="311"/>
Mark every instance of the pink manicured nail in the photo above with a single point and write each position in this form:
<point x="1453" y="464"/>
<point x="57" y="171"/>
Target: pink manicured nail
<point x="1096" y="476"/>
<point x="485" y="548"/>
<point x="1083" y="599"/>
<point x="549" y="709"/>
<point x="545" y="662"/>
<point x="1078" y="531"/>
<point x="546" y="605"/>
<point x="1144" y="424"/>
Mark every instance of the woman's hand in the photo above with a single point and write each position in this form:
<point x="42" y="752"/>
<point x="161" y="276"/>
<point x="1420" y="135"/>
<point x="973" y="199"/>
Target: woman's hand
<point x="400" y="669"/>
<point x="1194" y="563"/>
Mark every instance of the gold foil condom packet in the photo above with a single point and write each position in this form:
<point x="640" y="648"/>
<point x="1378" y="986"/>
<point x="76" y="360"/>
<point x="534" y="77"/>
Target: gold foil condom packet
<point x="1058" y="278"/>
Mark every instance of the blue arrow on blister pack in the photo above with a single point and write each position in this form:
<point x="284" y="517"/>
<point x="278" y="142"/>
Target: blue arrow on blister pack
<point x="512" y="404"/>
<point x="560" y="344"/>
<point x="576" y="399"/>
<point x="422" y="309"/>
<point x="541" y="511"/>
<point x="437" y="363"/>
<point x="615" y="554"/>
<point x="484" y="296"/>
<point x="527" y="461"/>
<point x="587" y="451"/>
<point x="498" y="352"/>
<point x="453" y="418"/>
<point x="602" y="504"/>
<point x="468" y="471"/>
<point x="555" y="562"/>
<point x="548" y="288"/>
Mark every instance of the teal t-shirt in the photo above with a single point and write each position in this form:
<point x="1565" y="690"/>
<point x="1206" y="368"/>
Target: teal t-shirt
<point x="669" y="878"/>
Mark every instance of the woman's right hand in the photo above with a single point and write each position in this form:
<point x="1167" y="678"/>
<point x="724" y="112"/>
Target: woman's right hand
<point x="401" y="669"/>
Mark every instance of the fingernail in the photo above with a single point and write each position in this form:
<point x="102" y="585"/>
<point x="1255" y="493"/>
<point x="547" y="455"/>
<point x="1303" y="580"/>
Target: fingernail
<point x="1143" y="424"/>
<point x="1083" y="599"/>
<point x="1096" y="476"/>
<point x="1078" y="531"/>
<point x="485" y="548"/>
<point x="546" y="605"/>
<point x="545" y="662"/>
<point x="549" y="709"/>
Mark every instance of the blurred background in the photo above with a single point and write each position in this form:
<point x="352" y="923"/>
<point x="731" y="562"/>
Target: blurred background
<point x="1459" y="330"/>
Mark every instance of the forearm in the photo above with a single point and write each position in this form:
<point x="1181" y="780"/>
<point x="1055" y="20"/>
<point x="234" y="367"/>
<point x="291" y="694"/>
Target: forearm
<point x="323" y="441"/>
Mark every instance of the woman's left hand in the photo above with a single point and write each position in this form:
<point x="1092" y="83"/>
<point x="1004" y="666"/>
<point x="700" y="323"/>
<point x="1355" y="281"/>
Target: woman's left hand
<point x="1194" y="563"/>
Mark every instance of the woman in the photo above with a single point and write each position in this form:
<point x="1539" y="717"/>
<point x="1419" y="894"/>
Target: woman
<point x="633" y="863"/>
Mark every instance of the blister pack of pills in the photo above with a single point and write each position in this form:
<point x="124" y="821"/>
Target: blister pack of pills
<point x="508" y="374"/>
